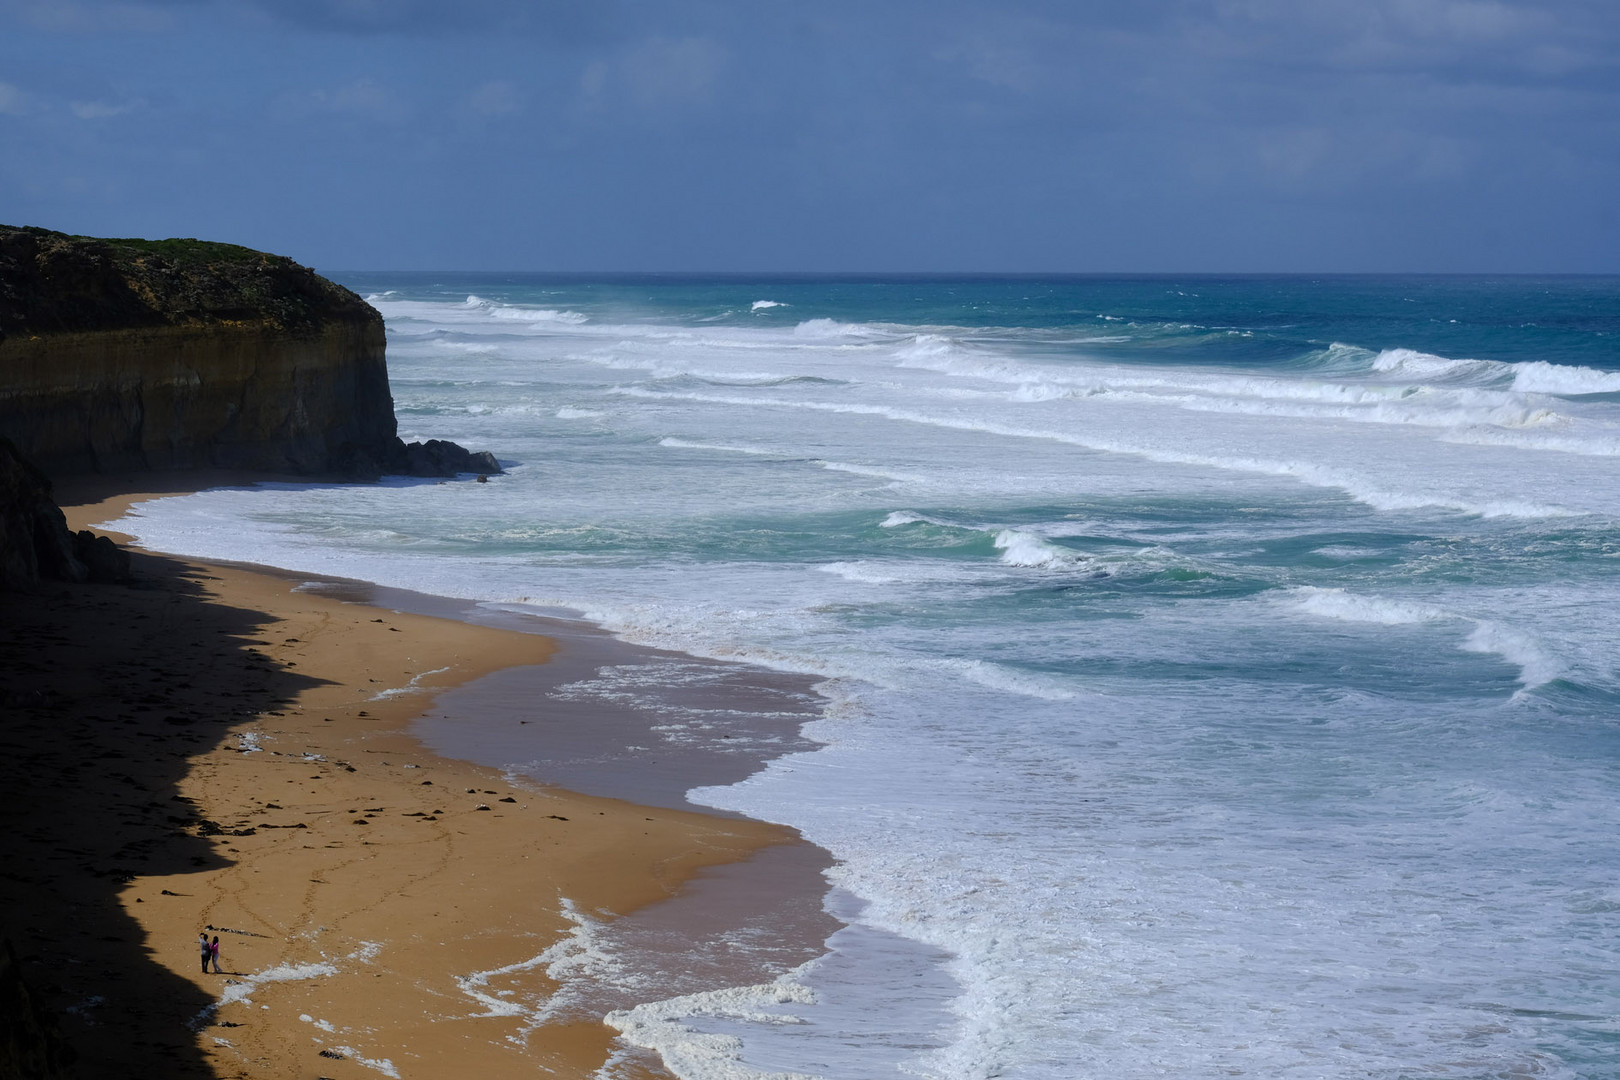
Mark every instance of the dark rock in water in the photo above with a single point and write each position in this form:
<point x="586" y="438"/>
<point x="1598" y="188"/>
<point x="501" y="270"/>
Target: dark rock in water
<point x="437" y="457"/>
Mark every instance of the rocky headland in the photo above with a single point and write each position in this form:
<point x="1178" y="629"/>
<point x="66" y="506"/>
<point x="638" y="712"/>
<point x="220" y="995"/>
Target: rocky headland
<point x="128" y="356"/>
<point x="134" y="358"/>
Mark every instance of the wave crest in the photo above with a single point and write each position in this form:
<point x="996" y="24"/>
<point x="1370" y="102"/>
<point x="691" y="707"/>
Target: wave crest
<point x="1538" y="376"/>
<point x="830" y="330"/>
<point x="497" y="310"/>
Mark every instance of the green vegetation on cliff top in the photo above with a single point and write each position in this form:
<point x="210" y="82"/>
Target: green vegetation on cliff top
<point x="185" y="251"/>
<point x="53" y="282"/>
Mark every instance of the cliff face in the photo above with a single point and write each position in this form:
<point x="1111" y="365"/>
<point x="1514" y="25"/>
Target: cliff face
<point x="127" y="355"/>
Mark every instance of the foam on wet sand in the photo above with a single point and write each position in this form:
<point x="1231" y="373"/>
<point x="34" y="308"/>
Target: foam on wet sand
<point x="231" y="741"/>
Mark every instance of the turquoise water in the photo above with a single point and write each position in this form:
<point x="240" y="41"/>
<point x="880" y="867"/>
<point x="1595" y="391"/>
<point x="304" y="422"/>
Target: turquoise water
<point x="1220" y="672"/>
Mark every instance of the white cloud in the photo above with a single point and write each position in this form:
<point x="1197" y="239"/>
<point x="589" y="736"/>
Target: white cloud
<point x="499" y="98"/>
<point x="362" y="96"/>
<point x="13" y="102"/>
<point x="100" y="110"/>
<point x="362" y="99"/>
<point x="665" y="71"/>
<point x="655" y="72"/>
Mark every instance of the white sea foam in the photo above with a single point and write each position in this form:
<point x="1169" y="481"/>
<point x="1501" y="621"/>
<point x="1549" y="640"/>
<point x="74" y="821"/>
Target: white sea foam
<point x="830" y="330"/>
<point x="1002" y="677"/>
<point x="926" y="350"/>
<point x="870" y="573"/>
<point x="1160" y="825"/>
<point x="1534" y="376"/>
<point x="1363" y="489"/>
<point x="1022" y="549"/>
<point x="762" y="305"/>
<point x="573" y="963"/>
<point x="1344" y="551"/>
<point x="691" y="1053"/>
<point x="897" y="571"/>
<point x="382" y="1065"/>
<point x="1536" y="667"/>
<point x="878" y="472"/>
<point x="414" y="686"/>
<point x="1598" y="443"/>
<point x="1351" y="607"/>
<point x="241" y="991"/>
<point x="1542" y="377"/>
<point x="497" y="310"/>
<point x="571" y="412"/>
<point x="1410" y="365"/>
<point x="688" y="444"/>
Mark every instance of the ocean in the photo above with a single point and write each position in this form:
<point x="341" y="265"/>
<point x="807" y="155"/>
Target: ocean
<point x="1214" y="676"/>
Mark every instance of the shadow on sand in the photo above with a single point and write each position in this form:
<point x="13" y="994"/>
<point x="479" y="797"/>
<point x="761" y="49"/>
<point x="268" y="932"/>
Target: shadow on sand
<point x="106" y="693"/>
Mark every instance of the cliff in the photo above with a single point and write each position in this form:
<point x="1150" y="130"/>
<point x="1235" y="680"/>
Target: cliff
<point x="123" y="356"/>
<point x="129" y="355"/>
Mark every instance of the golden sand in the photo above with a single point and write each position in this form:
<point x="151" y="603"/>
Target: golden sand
<point x="212" y="748"/>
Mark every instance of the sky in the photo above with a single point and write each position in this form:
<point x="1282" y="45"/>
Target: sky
<point x="1014" y="136"/>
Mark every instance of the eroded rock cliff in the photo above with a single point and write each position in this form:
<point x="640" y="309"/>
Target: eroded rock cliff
<point x="127" y="355"/>
<point x="123" y="356"/>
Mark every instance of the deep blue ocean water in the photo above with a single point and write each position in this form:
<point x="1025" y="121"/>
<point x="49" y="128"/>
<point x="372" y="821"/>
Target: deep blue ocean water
<point x="1221" y="673"/>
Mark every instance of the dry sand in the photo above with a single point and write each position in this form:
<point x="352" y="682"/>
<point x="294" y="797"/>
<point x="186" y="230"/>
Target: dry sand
<point x="211" y="748"/>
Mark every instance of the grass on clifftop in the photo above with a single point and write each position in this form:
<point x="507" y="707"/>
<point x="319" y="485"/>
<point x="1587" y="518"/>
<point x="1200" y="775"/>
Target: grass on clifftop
<point x="186" y="251"/>
<point x="52" y="282"/>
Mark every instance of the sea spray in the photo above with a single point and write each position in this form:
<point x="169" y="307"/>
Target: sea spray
<point x="1218" y="676"/>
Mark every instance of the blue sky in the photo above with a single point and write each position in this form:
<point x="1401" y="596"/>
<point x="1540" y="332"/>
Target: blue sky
<point x="720" y="135"/>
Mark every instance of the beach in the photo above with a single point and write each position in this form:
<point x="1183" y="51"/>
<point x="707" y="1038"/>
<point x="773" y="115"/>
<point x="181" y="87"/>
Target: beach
<point x="1190" y="676"/>
<point x="216" y="750"/>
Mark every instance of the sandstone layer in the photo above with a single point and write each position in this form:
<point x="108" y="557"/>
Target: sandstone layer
<point x="132" y="356"/>
<point x="127" y="355"/>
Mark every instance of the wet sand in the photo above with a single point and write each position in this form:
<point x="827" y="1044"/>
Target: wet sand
<point x="217" y="747"/>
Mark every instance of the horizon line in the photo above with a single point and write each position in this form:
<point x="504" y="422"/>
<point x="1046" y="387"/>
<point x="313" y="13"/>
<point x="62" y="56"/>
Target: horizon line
<point x="983" y="275"/>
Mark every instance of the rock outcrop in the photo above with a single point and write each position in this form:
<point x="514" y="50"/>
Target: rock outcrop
<point x="130" y="355"/>
<point x="35" y="541"/>
<point x="123" y="356"/>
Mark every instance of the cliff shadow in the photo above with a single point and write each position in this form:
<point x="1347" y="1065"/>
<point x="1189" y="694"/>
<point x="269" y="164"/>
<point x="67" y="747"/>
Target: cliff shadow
<point x="106" y="694"/>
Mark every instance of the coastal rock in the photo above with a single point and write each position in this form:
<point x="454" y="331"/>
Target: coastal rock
<point x="437" y="457"/>
<point x="102" y="559"/>
<point x="34" y="538"/>
<point x="136" y="355"/>
<point x="35" y="542"/>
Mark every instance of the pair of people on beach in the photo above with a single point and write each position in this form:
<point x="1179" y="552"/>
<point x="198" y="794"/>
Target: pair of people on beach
<point x="210" y="952"/>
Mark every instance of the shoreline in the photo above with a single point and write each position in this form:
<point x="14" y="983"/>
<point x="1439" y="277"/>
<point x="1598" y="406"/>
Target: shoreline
<point x="381" y="901"/>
